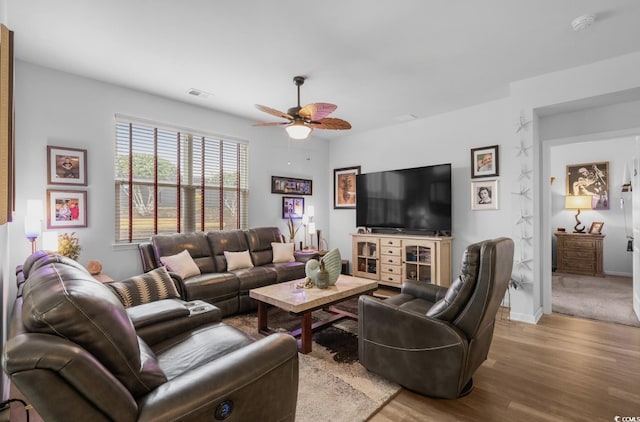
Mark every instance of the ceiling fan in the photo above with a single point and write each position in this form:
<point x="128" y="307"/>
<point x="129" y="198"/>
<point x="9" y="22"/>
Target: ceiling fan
<point x="302" y="120"/>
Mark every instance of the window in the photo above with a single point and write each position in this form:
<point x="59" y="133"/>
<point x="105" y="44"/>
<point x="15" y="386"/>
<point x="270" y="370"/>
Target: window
<point x="170" y="180"/>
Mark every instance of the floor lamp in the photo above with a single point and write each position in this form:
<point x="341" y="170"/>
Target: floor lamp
<point x="33" y="222"/>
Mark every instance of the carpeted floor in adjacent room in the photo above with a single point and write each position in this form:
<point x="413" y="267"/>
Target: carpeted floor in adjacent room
<point x="608" y="298"/>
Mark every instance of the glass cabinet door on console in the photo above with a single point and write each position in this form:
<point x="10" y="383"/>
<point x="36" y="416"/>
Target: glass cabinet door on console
<point x="418" y="259"/>
<point x="366" y="259"/>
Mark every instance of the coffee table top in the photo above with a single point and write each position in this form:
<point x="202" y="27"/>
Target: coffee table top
<point x="295" y="299"/>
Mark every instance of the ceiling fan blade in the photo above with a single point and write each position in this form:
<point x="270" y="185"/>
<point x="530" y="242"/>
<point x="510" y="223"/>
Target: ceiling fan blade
<point x="271" y="124"/>
<point x="316" y="111"/>
<point x="331" y="123"/>
<point x="274" y="112"/>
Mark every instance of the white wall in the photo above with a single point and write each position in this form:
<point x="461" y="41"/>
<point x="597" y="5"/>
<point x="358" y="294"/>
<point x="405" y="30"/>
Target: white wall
<point x="616" y="151"/>
<point x="446" y="138"/>
<point x="54" y="108"/>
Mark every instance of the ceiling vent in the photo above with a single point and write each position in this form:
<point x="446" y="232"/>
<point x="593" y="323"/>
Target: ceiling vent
<point x="199" y="93"/>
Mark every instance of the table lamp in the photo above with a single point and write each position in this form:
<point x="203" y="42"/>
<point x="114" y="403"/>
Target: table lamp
<point x="578" y="202"/>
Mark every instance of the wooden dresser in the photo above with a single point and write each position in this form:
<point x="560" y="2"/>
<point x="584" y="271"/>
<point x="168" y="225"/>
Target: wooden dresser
<point x="579" y="253"/>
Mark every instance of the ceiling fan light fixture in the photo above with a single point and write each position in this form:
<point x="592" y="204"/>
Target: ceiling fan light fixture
<point x="298" y="130"/>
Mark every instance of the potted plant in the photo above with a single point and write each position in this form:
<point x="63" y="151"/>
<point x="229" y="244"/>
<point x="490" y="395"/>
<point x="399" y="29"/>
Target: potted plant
<point x="69" y="246"/>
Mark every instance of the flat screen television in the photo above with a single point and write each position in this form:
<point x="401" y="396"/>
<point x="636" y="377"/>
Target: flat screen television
<point x="414" y="200"/>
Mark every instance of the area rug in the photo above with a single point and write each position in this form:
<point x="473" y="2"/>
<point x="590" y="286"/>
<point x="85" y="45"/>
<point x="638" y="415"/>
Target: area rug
<point x="333" y="386"/>
<point x="608" y="298"/>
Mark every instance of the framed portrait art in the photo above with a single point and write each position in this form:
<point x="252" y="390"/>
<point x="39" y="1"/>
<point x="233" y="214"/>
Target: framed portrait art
<point x="344" y="187"/>
<point x="484" y="195"/>
<point x="292" y="207"/>
<point x="66" y="166"/>
<point x="590" y="179"/>
<point x="485" y="162"/>
<point x="66" y="208"/>
<point x="596" y="227"/>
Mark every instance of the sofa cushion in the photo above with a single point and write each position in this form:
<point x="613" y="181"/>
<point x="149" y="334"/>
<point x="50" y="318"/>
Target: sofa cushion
<point x="259" y="242"/>
<point x="226" y="240"/>
<point x="149" y="287"/>
<point x="282" y="252"/>
<point x="238" y="260"/>
<point x="195" y="243"/>
<point x="181" y="264"/>
<point x="63" y="300"/>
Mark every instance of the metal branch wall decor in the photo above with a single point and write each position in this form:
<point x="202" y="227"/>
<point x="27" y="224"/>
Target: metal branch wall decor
<point x="524" y="223"/>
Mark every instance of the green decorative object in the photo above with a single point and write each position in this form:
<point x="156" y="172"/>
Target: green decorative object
<point x="333" y="264"/>
<point x="69" y="246"/>
<point x="322" y="280"/>
<point x="311" y="269"/>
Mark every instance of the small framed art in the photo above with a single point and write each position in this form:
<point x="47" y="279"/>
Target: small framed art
<point x="66" y="166"/>
<point x="291" y="186"/>
<point x="344" y="187"/>
<point x="485" y="162"/>
<point x="484" y="195"/>
<point x="292" y="207"/>
<point x="66" y="208"/>
<point x="596" y="227"/>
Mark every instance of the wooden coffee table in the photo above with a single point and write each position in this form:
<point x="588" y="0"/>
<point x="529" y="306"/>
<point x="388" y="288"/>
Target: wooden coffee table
<point x="303" y="302"/>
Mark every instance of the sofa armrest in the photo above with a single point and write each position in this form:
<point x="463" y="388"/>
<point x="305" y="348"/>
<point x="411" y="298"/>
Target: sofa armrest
<point x="422" y="290"/>
<point x="162" y="319"/>
<point x="258" y="381"/>
<point x="147" y="256"/>
<point x="304" y="256"/>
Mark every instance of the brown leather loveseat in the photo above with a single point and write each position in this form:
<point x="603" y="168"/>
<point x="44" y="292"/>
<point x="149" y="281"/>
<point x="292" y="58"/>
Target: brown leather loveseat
<point x="76" y="352"/>
<point x="214" y="280"/>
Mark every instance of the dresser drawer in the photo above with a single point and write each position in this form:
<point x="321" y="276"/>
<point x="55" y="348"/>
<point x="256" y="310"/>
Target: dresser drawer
<point x="578" y="255"/>
<point x="580" y="243"/>
<point x="391" y="278"/>
<point x="390" y="250"/>
<point x="391" y="260"/>
<point x="391" y="269"/>
<point x="390" y="242"/>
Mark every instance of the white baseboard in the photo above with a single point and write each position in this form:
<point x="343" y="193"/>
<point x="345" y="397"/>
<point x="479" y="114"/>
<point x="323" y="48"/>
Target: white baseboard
<point x="528" y="318"/>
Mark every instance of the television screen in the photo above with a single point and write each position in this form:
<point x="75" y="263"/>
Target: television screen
<point x="413" y="200"/>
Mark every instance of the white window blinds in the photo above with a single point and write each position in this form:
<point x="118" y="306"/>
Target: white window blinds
<point x="172" y="180"/>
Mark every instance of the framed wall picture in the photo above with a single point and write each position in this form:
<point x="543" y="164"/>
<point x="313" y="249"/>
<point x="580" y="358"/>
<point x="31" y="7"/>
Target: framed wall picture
<point x="66" y="208"/>
<point x="344" y="187"/>
<point x="66" y="166"/>
<point x="596" y="227"/>
<point x="291" y="185"/>
<point x="590" y="179"/>
<point x="485" y="162"/>
<point x="484" y="195"/>
<point x="292" y="207"/>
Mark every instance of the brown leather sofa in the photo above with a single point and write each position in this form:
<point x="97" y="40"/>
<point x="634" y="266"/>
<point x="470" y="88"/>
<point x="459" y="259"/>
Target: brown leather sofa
<point x="431" y="339"/>
<point x="228" y="290"/>
<point x="77" y="354"/>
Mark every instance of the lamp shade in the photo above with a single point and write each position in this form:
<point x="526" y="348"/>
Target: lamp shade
<point x="310" y="211"/>
<point x="577" y="202"/>
<point x="312" y="228"/>
<point x="298" y="130"/>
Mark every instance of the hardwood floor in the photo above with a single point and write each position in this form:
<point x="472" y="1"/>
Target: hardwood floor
<point x="561" y="369"/>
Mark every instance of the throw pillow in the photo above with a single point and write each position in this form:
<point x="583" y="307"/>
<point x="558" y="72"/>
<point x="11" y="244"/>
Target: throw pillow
<point x="181" y="264"/>
<point x="238" y="260"/>
<point x="282" y="252"/>
<point x="154" y="285"/>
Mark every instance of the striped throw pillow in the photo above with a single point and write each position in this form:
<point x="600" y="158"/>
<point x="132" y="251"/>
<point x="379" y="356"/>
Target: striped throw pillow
<point x="154" y="285"/>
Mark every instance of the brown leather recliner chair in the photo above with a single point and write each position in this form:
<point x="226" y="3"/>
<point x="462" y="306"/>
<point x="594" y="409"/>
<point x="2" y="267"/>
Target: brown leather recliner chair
<point x="431" y="339"/>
